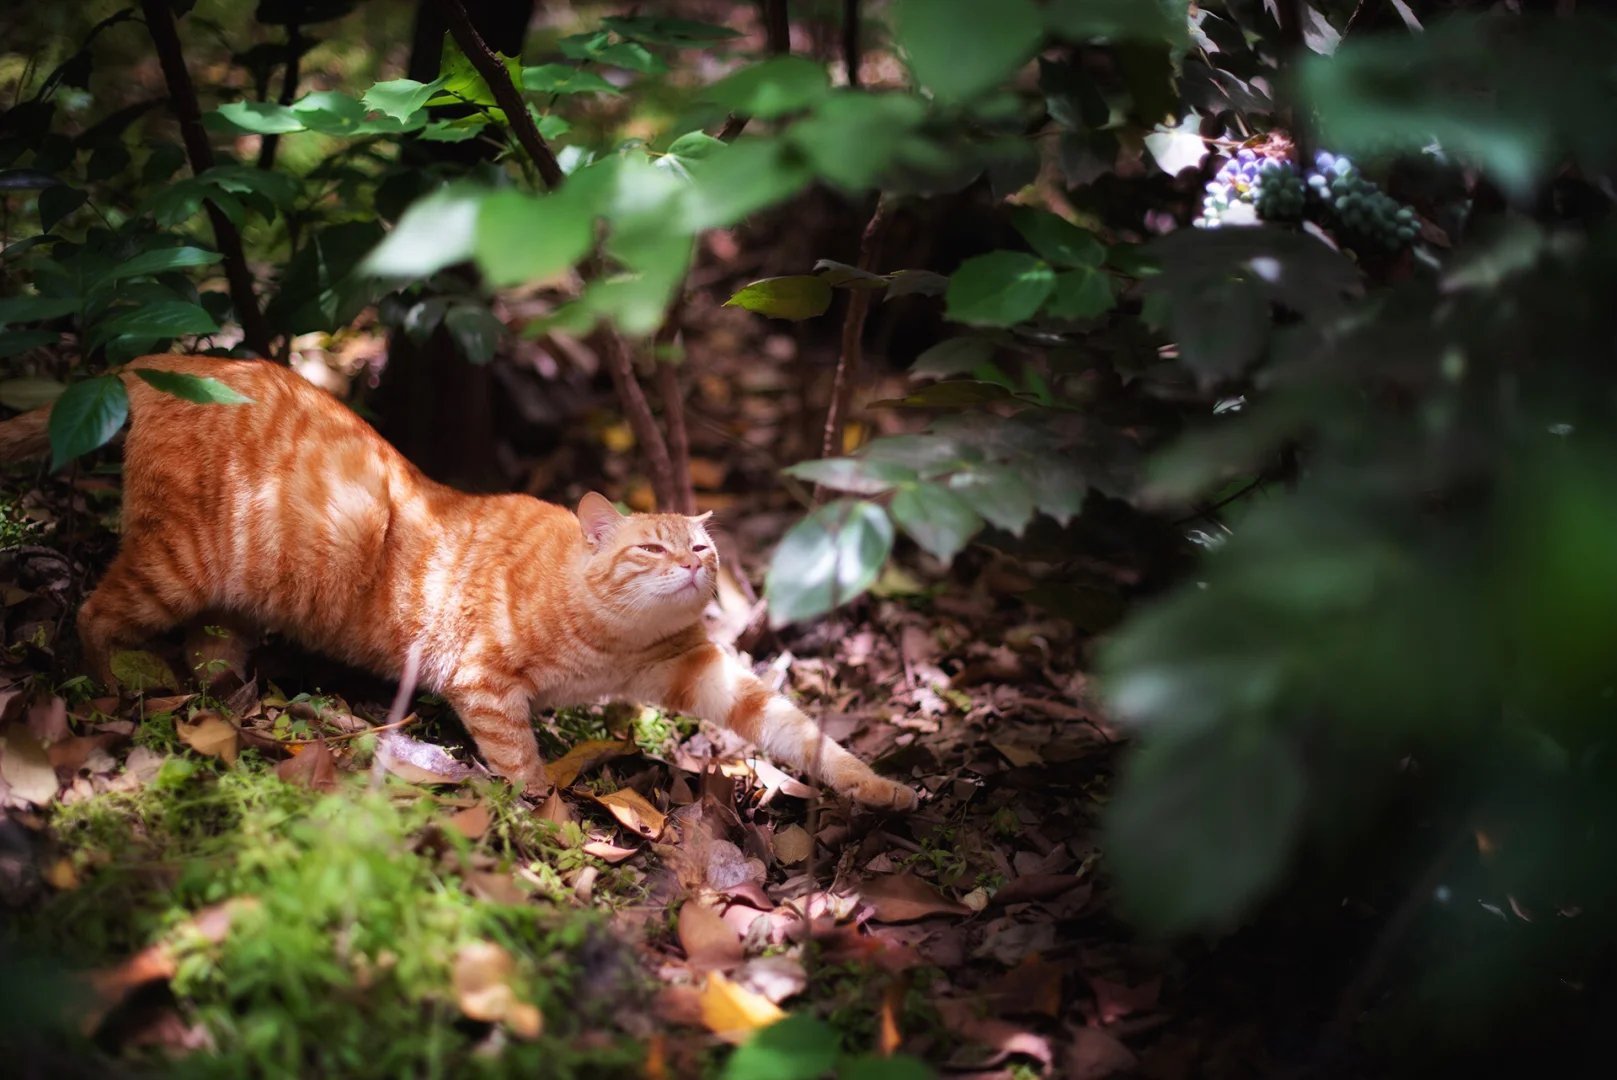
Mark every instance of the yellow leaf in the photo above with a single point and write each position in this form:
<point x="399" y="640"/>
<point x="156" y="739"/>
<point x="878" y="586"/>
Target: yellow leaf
<point x="26" y="766"/>
<point x="212" y="735"/>
<point x="618" y="438"/>
<point x="634" y="812"/>
<point x="482" y="980"/>
<point x="733" y="1012"/>
<point x="138" y="671"/>
<point x="584" y="757"/>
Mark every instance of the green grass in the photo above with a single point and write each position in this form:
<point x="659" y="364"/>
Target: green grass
<point x="341" y="965"/>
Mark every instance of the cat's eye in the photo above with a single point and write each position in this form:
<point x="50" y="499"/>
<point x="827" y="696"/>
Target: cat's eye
<point x="698" y="548"/>
<point x="655" y="549"/>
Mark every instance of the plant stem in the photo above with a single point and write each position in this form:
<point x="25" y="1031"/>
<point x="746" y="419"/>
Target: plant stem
<point x="183" y="100"/>
<point x="289" y="91"/>
<point x="853" y="329"/>
<point x="505" y="93"/>
<point x="850" y="40"/>
<point x="671" y="387"/>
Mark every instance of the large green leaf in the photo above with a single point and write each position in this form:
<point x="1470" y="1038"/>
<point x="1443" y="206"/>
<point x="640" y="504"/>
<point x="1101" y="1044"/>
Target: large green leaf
<point x="661" y="31"/>
<point x="1000" y="288"/>
<point x="997" y="492"/>
<point x="746" y="177"/>
<point x="202" y="389"/>
<point x="772" y="88"/>
<point x="261" y="117"/>
<point x="474" y="330"/>
<point x="162" y="261"/>
<point x="16" y="309"/>
<point x="800" y="1047"/>
<point x="1119" y="20"/>
<point x="164" y="319"/>
<point x="936" y="518"/>
<point x="436" y="231"/>
<point x="1081" y="294"/>
<point x="954" y="356"/>
<point x="862" y="476"/>
<point x="827" y="559"/>
<point x="564" y="79"/>
<point x="86" y="416"/>
<point x="1202" y="826"/>
<point x="799" y="296"/>
<point x="958" y="49"/>
<point x="853" y="135"/>
<point x="1057" y="239"/>
<point x="521" y="237"/>
<point x="400" y="98"/>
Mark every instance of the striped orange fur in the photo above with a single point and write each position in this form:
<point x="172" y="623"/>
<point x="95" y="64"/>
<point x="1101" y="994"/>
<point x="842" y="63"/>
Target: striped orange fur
<point x="293" y="514"/>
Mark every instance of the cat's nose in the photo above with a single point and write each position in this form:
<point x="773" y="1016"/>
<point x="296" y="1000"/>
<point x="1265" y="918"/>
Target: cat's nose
<point x="693" y="566"/>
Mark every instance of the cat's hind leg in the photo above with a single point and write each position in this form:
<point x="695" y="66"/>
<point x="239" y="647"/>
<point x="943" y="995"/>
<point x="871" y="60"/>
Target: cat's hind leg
<point x="497" y="719"/>
<point x="138" y="598"/>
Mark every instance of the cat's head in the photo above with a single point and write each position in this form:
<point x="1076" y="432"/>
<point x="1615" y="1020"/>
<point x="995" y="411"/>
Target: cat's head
<point x="655" y="566"/>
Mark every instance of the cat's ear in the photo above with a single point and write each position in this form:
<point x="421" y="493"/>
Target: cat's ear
<point x="598" y="518"/>
<point x="700" y="519"/>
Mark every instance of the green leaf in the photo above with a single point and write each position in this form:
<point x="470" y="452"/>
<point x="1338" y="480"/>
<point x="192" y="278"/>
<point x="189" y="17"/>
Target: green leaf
<point x="13" y="342"/>
<point x="827" y="559"/>
<point x="854" y="135"/>
<point x="958" y="50"/>
<point x="85" y="417"/>
<point x="800" y="1047"/>
<point x="861" y="476"/>
<point x="400" y="98"/>
<point x="916" y="283"/>
<point x="660" y="31"/>
<point x="954" y="356"/>
<point x="875" y="1067"/>
<point x="772" y="88"/>
<point x="564" y="79"/>
<point x="695" y="145"/>
<point x="1081" y="294"/>
<point x="998" y="493"/>
<point x="138" y="671"/>
<point x="436" y="231"/>
<point x="164" y="319"/>
<point x="1202" y="826"/>
<point x="800" y="296"/>
<point x="202" y="389"/>
<point x="1121" y="20"/>
<point x="1056" y="239"/>
<point x="936" y="518"/>
<point x="161" y="261"/>
<point x="1000" y="288"/>
<point x="521" y="237"/>
<point x="261" y="117"/>
<point x="15" y="309"/>
<point x="475" y="331"/>
<point x="57" y="202"/>
<point x="453" y="131"/>
<point x="29" y="391"/>
<point x="748" y="176"/>
<point x="842" y="276"/>
<point x="951" y="394"/>
<point x="461" y="81"/>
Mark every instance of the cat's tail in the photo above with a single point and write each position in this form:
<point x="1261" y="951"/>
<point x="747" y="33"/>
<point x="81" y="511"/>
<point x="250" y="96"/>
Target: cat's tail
<point x="25" y="436"/>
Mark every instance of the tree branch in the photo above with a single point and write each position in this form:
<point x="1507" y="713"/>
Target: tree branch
<point x="620" y="365"/>
<point x="183" y="100"/>
<point x="850" y="40"/>
<point x="671" y="387"/>
<point x="853" y="329"/>
<point x="505" y="93"/>
<point x="289" y="90"/>
<point x="777" y="27"/>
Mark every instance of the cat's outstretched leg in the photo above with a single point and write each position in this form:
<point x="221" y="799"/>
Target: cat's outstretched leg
<point x="138" y="598"/>
<point x="498" y="722"/>
<point x="709" y="683"/>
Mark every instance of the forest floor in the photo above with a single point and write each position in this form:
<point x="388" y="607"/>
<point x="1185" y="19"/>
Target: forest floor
<point x="248" y="876"/>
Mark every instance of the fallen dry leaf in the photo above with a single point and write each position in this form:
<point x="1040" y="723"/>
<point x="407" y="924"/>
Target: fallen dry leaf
<point x="904" y="897"/>
<point x="586" y="756"/>
<point x="482" y="980"/>
<point x="709" y="942"/>
<point x="793" y="844"/>
<point x="26" y="767"/>
<point x="313" y="767"/>
<point x="610" y="852"/>
<point x="47" y="719"/>
<point x="1094" y="1054"/>
<point x="733" y="1012"/>
<point x="419" y="762"/>
<point x="634" y="812"/>
<point x="73" y="753"/>
<point x="138" y="671"/>
<point x="554" y="809"/>
<point x="471" y="822"/>
<point x="211" y="735"/>
<point x="108" y="986"/>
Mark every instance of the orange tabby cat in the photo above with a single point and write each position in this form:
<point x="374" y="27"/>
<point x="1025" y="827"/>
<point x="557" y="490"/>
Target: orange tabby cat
<point x="293" y="513"/>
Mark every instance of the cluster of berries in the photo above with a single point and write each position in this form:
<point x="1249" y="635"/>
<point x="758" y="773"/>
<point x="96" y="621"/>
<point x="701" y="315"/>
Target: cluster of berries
<point x="1253" y="187"/>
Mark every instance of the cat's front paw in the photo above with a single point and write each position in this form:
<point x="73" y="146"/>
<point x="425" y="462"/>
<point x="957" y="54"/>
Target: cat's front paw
<point x="874" y="791"/>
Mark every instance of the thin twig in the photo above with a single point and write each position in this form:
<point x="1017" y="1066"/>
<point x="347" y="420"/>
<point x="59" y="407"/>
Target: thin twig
<point x="405" y="722"/>
<point x="289" y="91"/>
<point x="851" y="52"/>
<point x="183" y="100"/>
<point x="853" y="329"/>
<point x="614" y="351"/>
<point x="505" y="93"/>
<point x="672" y="389"/>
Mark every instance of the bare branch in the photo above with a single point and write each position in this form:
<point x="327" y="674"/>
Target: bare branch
<point x="183" y="100"/>
<point x="850" y="40"/>
<point x="505" y="92"/>
<point x="853" y="330"/>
